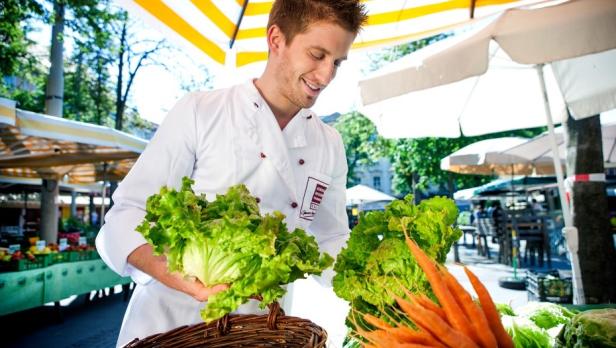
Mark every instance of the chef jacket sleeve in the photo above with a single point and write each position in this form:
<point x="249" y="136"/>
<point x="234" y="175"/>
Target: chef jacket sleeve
<point x="331" y="223"/>
<point x="169" y="156"/>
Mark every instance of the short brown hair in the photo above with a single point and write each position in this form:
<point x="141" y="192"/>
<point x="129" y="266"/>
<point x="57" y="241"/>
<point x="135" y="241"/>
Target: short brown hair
<point x="294" y="16"/>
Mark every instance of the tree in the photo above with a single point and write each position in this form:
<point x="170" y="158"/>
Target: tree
<point x="132" y="55"/>
<point x="20" y="71"/>
<point x="15" y="23"/>
<point x="362" y="144"/>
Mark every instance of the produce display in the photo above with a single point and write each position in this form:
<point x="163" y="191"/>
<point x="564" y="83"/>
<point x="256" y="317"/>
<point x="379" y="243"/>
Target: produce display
<point x="35" y="257"/>
<point x="536" y="324"/>
<point x="592" y="329"/>
<point x="376" y="263"/>
<point x="455" y="321"/>
<point x="229" y="241"/>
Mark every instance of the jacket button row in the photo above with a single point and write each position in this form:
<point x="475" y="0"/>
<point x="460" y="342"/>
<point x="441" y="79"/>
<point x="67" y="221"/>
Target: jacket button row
<point x="301" y="161"/>
<point x="294" y="205"/>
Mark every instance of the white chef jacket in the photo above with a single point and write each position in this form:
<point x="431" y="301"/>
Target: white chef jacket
<point x="222" y="138"/>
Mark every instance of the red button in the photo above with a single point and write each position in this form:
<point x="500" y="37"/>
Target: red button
<point x="258" y="199"/>
<point x="301" y="162"/>
<point x="293" y="205"/>
<point x="263" y="155"/>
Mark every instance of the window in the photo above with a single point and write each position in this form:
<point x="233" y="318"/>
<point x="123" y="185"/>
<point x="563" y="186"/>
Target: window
<point x="376" y="182"/>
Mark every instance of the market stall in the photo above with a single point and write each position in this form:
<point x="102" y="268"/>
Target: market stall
<point x="29" y="288"/>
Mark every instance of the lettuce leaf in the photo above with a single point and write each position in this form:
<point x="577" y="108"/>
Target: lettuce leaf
<point x="376" y="261"/>
<point x="228" y="241"/>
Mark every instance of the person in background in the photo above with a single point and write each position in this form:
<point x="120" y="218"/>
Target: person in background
<point x="536" y="207"/>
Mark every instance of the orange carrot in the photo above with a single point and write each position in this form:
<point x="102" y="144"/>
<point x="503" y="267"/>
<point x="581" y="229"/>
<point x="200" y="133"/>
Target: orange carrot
<point x="473" y="312"/>
<point x="377" y="322"/>
<point x="490" y="311"/>
<point x="425" y="302"/>
<point x="432" y="323"/>
<point x="455" y="315"/>
<point x="420" y="337"/>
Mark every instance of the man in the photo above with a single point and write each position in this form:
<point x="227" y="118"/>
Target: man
<point x="260" y="134"/>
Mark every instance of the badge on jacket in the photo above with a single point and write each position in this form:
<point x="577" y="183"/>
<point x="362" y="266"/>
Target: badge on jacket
<point x="313" y="195"/>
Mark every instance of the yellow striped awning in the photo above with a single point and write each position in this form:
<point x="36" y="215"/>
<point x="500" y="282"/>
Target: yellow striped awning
<point x="232" y="32"/>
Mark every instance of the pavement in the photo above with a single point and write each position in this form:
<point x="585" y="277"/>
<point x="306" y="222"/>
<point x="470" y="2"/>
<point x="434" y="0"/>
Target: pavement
<point x="96" y="323"/>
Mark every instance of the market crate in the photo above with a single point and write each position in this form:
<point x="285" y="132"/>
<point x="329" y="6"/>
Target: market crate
<point x="25" y="264"/>
<point x="549" y="287"/>
<point x="79" y="255"/>
<point x="59" y="257"/>
<point x="93" y="254"/>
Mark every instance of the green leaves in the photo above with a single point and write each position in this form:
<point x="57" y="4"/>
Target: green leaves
<point x="228" y="241"/>
<point x="376" y="261"/>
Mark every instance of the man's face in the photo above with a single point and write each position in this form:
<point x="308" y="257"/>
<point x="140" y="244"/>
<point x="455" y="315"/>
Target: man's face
<point x="309" y="63"/>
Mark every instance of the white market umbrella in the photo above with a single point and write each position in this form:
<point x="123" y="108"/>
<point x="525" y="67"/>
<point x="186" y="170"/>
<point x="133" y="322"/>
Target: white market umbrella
<point x="577" y="36"/>
<point x="539" y="147"/>
<point x="484" y="80"/>
<point x="360" y="194"/>
<point x="490" y="157"/>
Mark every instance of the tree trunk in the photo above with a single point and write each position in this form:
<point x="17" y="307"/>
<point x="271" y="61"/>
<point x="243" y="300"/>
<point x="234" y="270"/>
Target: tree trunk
<point x="49" y="211"/>
<point x="53" y="106"/>
<point x="120" y="102"/>
<point x="590" y="212"/>
<point x="450" y="184"/>
<point x="55" y="83"/>
<point x="78" y="77"/>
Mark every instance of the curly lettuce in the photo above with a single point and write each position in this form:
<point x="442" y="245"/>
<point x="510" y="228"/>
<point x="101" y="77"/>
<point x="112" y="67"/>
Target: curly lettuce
<point x="376" y="261"/>
<point x="228" y="241"/>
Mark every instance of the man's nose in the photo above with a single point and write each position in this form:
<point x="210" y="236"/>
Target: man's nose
<point x="326" y="73"/>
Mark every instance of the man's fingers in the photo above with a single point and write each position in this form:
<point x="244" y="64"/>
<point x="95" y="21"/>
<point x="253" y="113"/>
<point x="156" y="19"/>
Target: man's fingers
<point x="203" y="293"/>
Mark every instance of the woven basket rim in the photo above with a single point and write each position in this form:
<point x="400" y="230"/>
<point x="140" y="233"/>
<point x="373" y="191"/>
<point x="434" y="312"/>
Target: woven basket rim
<point x="265" y="330"/>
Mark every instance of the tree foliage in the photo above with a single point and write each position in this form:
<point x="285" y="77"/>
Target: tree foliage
<point x="105" y="49"/>
<point x="362" y="144"/>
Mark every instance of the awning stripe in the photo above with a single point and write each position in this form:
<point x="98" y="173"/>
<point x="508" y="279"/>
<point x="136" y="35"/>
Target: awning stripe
<point x="171" y="19"/>
<point x="211" y="11"/>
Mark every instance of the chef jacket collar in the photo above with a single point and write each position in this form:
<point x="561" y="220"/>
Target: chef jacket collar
<point x="256" y="99"/>
<point x="294" y="133"/>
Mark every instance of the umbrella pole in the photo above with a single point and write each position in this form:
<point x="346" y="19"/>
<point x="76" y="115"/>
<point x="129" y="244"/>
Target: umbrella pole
<point x="569" y="230"/>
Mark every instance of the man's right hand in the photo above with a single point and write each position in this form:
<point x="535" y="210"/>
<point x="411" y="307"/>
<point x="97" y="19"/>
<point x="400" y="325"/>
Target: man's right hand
<point x="143" y="259"/>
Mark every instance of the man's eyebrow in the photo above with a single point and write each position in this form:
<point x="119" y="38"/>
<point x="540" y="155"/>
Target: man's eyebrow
<point x="326" y="52"/>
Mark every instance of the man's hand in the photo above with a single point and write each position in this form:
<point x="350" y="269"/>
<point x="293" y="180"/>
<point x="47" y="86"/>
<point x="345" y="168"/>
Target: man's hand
<point x="156" y="266"/>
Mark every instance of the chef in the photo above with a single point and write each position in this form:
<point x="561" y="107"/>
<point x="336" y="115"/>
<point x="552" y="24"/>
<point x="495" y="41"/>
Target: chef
<point x="260" y="133"/>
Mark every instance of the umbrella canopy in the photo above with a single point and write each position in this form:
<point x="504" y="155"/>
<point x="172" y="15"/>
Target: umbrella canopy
<point x="40" y="146"/>
<point x="482" y="81"/>
<point x="489" y="157"/>
<point x="539" y="147"/>
<point x="232" y="32"/>
<point x="360" y="194"/>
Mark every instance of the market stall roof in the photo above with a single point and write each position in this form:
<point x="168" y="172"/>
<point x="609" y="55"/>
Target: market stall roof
<point x="232" y="33"/>
<point x="360" y="194"/>
<point x="35" y="145"/>
<point x="12" y="184"/>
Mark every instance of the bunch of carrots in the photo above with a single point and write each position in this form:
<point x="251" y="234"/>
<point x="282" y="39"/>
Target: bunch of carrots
<point x="457" y="322"/>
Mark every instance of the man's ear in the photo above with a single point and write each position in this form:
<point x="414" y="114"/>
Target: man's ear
<point x="275" y="39"/>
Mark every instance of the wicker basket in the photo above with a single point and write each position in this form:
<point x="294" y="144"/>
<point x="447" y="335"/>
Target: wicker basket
<point x="272" y="330"/>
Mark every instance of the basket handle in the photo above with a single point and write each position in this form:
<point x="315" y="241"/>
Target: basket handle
<point x="223" y="324"/>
